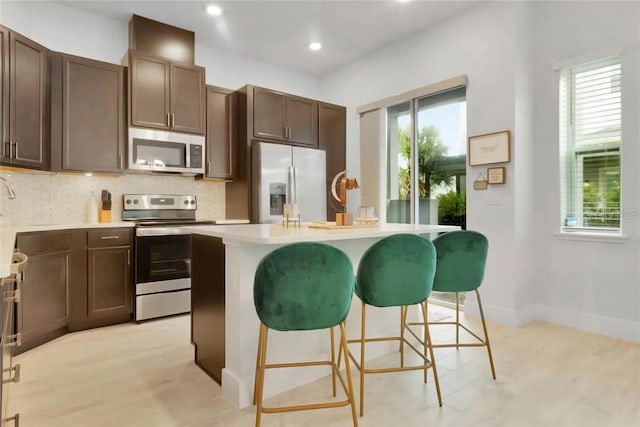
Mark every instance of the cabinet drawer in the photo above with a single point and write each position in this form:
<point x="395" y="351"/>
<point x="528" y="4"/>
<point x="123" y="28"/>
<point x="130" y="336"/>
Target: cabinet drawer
<point x="109" y="237"/>
<point x="44" y="242"/>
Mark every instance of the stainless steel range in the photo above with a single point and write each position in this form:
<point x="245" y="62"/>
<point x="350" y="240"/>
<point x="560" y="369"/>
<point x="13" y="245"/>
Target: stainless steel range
<point x="162" y="252"/>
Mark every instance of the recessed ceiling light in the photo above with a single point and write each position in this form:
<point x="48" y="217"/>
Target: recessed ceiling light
<point x="214" y="10"/>
<point x="315" y="45"/>
<point x="403" y="1"/>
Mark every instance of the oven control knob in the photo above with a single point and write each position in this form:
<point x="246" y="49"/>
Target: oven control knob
<point x="128" y="201"/>
<point x="186" y="202"/>
<point x="136" y="201"/>
<point x="193" y="202"/>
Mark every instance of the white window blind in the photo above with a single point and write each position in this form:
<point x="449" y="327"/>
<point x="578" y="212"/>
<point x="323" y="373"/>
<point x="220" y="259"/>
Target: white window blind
<point x="590" y="138"/>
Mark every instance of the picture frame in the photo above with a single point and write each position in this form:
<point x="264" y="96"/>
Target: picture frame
<point x="496" y="175"/>
<point x="489" y="148"/>
<point x="480" y="183"/>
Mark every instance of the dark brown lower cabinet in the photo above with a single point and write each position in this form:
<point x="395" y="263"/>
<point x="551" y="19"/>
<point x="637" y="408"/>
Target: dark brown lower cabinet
<point x="109" y="283"/>
<point x="45" y="290"/>
<point x="76" y="279"/>
<point x="207" y="304"/>
<point x="102" y="292"/>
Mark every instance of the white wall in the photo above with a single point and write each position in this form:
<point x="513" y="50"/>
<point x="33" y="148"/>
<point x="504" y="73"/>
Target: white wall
<point x="507" y="51"/>
<point x="590" y="285"/>
<point x="481" y="44"/>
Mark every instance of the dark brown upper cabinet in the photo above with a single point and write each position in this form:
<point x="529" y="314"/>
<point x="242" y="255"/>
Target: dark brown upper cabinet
<point x="332" y="137"/>
<point x="286" y="118"/>
<point x="166" y="95"/>
<point x="25" y="92"/>
<point x="159" y="39"/>
<point x="221" y="133"/>
<point x="87" y="116"/>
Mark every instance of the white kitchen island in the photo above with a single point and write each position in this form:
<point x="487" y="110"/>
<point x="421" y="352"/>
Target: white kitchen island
<point x="243" y="246"/>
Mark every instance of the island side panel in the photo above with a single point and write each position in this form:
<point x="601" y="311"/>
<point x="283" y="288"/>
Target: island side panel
<point x="208" y="304"/>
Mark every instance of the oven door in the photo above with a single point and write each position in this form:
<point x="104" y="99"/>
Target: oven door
<point x="163" y="258"/>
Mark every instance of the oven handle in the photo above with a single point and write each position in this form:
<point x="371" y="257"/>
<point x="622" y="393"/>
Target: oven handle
<point x="161" y="231"/>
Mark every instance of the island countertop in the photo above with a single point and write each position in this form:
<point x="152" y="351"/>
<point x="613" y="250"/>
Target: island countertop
<point x="276" y="234"/>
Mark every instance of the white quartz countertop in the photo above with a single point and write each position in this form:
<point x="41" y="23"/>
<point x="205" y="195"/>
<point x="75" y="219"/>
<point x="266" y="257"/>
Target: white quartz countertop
<point x="271" y="234"/>
<point x="8" y="237"/>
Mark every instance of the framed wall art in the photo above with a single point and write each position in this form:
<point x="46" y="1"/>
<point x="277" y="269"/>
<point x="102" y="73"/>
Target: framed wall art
<point x="489" y="148"/>
<point x="496" y="175"/>
<point x="480" y="183"/>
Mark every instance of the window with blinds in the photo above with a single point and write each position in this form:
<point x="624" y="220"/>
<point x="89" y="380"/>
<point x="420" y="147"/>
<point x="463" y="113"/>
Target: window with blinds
<point x="590" y="137"/>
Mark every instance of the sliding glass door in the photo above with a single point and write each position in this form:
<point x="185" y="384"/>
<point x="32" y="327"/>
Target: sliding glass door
<point x="427" y="135"/>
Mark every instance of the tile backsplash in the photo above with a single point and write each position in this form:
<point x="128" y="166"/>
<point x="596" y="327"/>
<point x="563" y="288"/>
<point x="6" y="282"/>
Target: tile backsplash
<point x="63" y="199"/>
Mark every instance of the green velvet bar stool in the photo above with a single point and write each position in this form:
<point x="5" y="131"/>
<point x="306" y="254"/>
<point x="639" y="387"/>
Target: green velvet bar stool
<point x="396" y="271"/>
<point x="462" y="256"/>
<point x="302" y="287"/>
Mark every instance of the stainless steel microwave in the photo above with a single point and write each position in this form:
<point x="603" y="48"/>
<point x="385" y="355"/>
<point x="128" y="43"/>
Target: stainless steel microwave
<point x="162" y="151"/>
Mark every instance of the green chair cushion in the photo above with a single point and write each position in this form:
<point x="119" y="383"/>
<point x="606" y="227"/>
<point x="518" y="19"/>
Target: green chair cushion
<point x="462" y="256"/>
<point x="397" y="270"/>
<point x="303" y="286"/>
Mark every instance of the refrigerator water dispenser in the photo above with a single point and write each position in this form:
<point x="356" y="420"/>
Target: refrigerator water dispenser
<point x="277" y="197"/>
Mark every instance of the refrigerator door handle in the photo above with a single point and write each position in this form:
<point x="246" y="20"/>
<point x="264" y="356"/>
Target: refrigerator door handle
<point x="291" y="188"/>
<point x="295" y="185"/>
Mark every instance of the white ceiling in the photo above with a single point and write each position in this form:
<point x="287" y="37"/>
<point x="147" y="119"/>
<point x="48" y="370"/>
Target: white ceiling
<point x="280" y="31"/>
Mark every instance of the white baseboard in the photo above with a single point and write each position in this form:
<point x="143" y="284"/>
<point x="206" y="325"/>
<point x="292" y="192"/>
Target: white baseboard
<point x="604" y="325"/>
<point x="500" y="315"/>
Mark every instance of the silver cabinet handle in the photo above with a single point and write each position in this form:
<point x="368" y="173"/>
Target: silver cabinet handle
<point x="208" y="168"/>
<point x="14" y="340"/>
<point x="15" y="150"/>
<point x="15" y="419"/>
<point x="16" y="374"/>
<point x="173" y="119"/>
<point x="120" y="165"/>
<point x="128" y="257"/>
<point x="4" y="149"/>
<point x="169" y="119"/>
<point x="12" y="296"/>
<point x="109" y="237"/>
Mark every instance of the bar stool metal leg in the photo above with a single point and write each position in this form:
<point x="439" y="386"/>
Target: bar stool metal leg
<point x="333" y="362"/>
<point x="486" y="336"/>
<point x="427" y="342"/>
<point x="260" y="384"/>
<point x="362" y="368"/>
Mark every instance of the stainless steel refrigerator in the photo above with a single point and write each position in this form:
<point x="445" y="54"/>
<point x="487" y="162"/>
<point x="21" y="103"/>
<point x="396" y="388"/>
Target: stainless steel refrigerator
<point x="287" y="174"/>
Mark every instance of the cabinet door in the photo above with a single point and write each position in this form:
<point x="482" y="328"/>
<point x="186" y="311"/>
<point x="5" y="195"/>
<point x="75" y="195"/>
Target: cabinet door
<point x="220" y="134"/>
<point x="45" y="290"/>
<point x="28" y="102"/>
<point x="150" y="85"/>
<point x="302" y="121"/>
<point x="332" y="137"/>
<point x="109" y="290"/>
<point x="268" y="114"/>
<point x="4" y="95"/>
<point x="188" y="99"/>
<point x="92" y="132"/>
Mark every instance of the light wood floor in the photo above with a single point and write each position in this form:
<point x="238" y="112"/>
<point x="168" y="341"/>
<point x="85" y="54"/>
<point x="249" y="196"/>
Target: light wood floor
<point x="143" y="375"/>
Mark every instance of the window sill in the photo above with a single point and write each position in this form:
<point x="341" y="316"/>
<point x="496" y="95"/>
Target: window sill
<point x="586" y="236"/>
